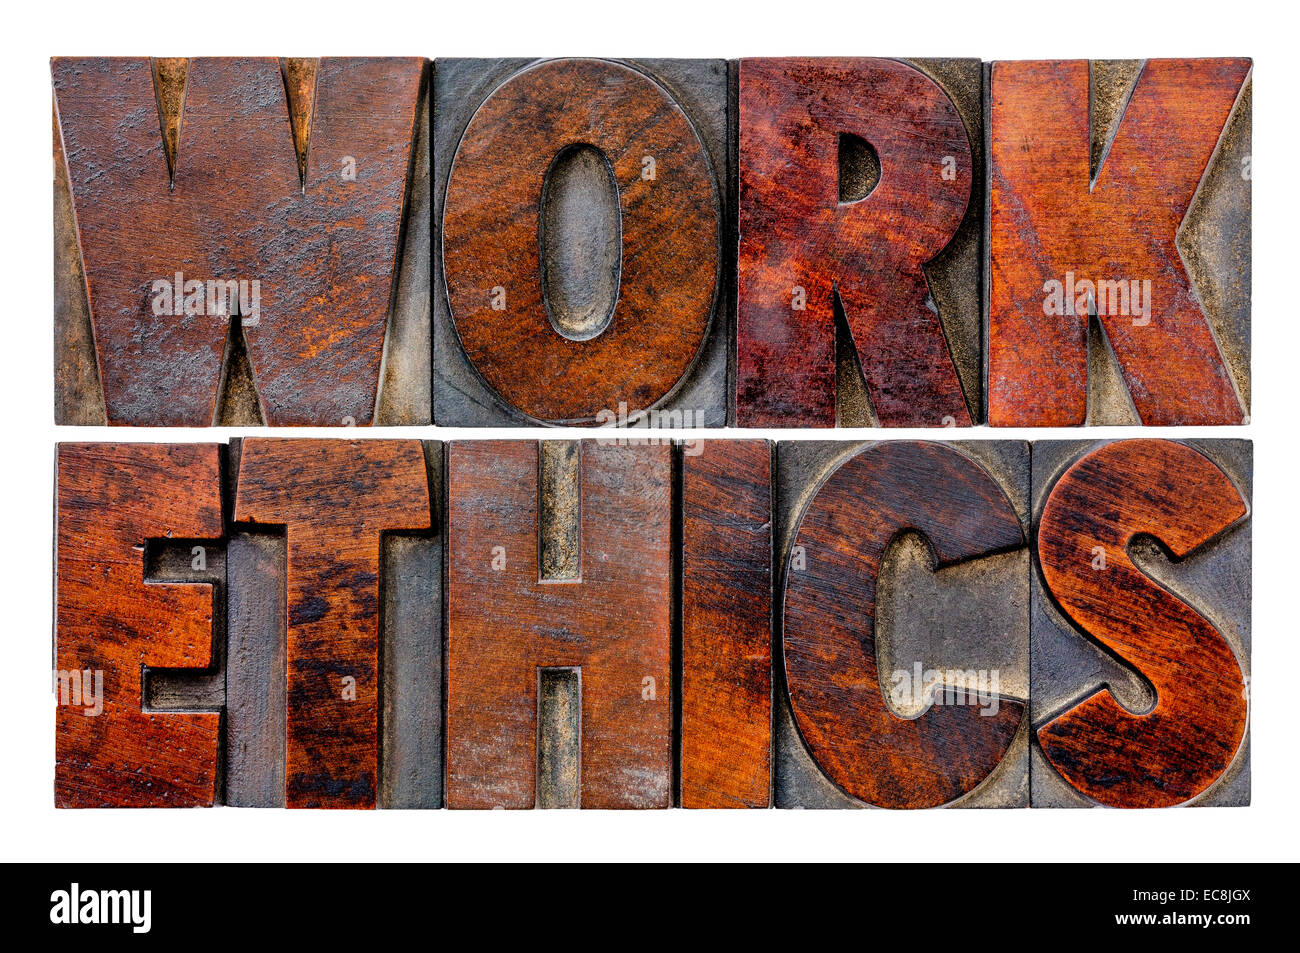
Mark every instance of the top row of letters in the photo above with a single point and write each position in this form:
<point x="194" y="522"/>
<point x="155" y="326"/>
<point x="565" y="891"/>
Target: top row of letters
<point x="797" y="242"/>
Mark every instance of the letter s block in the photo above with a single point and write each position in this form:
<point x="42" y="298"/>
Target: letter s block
<point x="1141" y="700"/>
<point x="859" y="266"/>
<point x="581" y="273"/>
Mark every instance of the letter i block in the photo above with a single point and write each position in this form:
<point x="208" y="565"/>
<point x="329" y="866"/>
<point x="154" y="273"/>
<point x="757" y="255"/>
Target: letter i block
<point x="558" y="625"/>
<point x="903" y="624"/>
<point x="1141" y="623"/>
<point x="581" y="273"/>
<point x="1119" y="242"/>
<point x="860" y="195"/>
<point x="113" y="625"/>
<point x="726" y="723"/>
<point x="241" y="241"/>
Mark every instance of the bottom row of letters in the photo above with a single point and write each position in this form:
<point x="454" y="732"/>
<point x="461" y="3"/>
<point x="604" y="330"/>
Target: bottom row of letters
<point x="645" y="624"/>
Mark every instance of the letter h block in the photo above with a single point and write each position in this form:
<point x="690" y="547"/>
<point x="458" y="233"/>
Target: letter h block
<point x="559" y="625"/>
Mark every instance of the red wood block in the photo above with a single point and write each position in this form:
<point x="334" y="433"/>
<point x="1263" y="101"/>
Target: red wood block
<point x="1060" y="235"/>
<point x="1189" y="738"/>
<point x="831" y="664"/>
<point x="335" y="498"/>
<point x="199" y="180"/>
<point x="562" y="357"/>
<point x="110" y="624"/>
<point x="801" y="246"/>
<point x="726" y="725"/>
<point x="506" y="621"/>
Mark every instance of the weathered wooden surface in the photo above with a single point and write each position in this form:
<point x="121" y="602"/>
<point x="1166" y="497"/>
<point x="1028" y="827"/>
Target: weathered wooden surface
<point x="293" y="175"/>
<point x="411" y="654"/>
<point x="1173" y="721"/>
<point x="506" y="622"/>
<point x="726" y="660"/>
<point x="1094" y="178"/>
<point x="844" y="525"/>
<point x="110" y="623"/>
<point x="582" y="258"/>
<point x="829" y="220"/>
<point x="335" y="498"/>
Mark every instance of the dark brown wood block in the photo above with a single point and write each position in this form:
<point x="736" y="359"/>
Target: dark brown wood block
<point x="110" y="751"/>
<point x="336" y="499"/>
<point x="1170" y="737"/>
<point x="239" y="230"/>
<point x="509" y="625"/>
<point x="726" y="720"/>
<point x="854" y="175"/>
<point x="1119" y="224"/>
<point x="582" y="241"/>
<point x="849" y="509"/>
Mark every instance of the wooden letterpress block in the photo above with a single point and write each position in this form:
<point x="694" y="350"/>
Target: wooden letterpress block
<point x="903" y="624"/>
<point x="113" y="625"/>
<point x="580" y="275"/>
<point x="726" y="721"/>
<point x="1119" y="242"/>
<point x="1139" y="699"/>
<point x="860" y="194"/>
<point x="241" y="241"/>
<point x="336" y="500"/>
<point x="558" y="625"/>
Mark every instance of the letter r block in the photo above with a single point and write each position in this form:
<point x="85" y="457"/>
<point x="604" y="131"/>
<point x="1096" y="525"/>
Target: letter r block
<point x="558" y="625"/>
<point x="860" y="196"/>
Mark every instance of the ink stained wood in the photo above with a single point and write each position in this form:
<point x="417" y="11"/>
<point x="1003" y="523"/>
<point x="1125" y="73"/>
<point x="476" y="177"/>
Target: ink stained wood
<point x="213" y="173"/>
<point x="505" y="622"/>
<point x="801" y="247"/>
<point x="335" y="499"/>
<point x="1176" y="750"/>
<point x="1052" y="218"/>
<point x="112" y="499"/>
<point x="726" y="721"/>
<point x="829" y="612"/>
<point x="550" y="356"/>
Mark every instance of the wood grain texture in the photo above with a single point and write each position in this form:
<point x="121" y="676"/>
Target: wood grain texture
<point x="336" y="498"/>
<point x="322" y="246"/>
<point x="829" y="612"/>
<point x="795" y="232"/>
<point x="112" y="498"/>
<point x="726" y="721"/>
<point x="504" y="623"/>
<point x="1051" y="219"/>
<point x="1112" y="496"/>
<point x="668" y="244"/>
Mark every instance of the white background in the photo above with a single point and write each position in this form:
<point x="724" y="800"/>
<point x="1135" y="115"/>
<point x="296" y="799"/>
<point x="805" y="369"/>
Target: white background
<point x="30" y="828"/>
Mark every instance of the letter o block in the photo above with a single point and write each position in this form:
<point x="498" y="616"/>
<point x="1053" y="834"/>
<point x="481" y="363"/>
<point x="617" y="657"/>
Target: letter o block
<point x="581" y="261"/>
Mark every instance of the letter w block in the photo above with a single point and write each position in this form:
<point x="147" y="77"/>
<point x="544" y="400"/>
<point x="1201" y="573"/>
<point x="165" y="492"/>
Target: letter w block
<point x="236" y="170"/>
